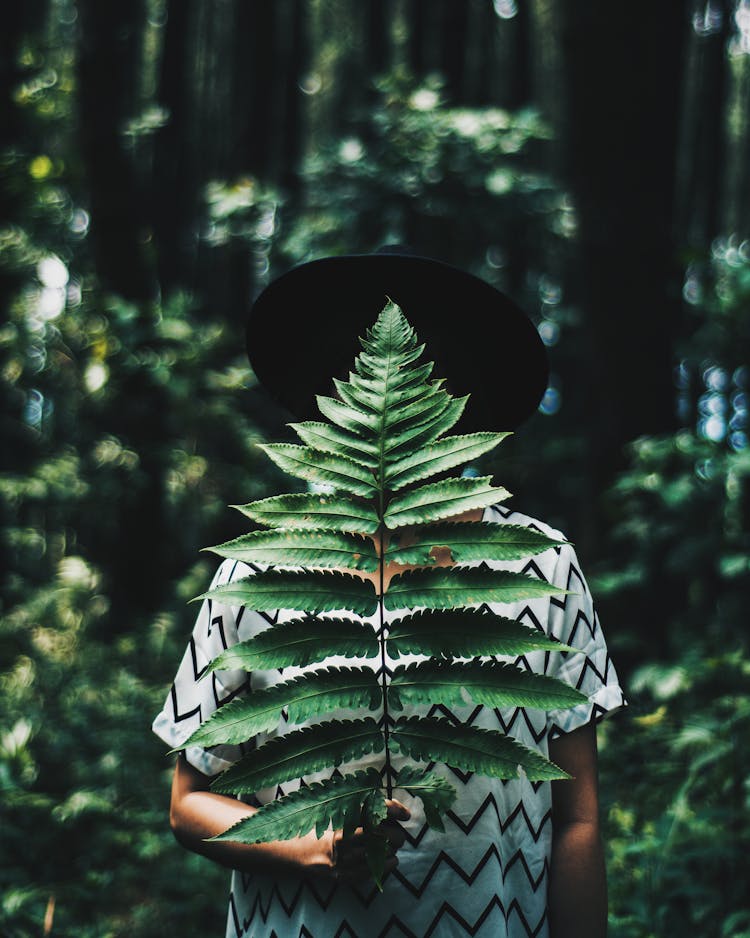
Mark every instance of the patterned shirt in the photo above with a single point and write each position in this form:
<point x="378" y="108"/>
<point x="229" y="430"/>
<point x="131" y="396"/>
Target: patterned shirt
<point x="487" y="875"/>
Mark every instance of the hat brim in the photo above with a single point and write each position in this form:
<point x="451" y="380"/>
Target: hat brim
<point x="304" y="330"/>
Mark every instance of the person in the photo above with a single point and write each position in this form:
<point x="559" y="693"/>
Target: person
<point x="517" y="858"/>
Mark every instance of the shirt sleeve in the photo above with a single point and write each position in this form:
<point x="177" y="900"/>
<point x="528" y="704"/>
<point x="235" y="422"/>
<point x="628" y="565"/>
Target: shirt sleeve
<point x="573" y="620"/>
<point x="195" y="695"/>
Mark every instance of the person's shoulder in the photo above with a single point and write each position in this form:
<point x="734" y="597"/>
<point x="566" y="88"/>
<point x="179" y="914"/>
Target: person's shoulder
<point x="230" y="570"/>
<point x="502" y="514"/>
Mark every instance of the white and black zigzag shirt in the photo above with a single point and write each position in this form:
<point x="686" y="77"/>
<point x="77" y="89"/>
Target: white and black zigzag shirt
<point x="487" y="875"/>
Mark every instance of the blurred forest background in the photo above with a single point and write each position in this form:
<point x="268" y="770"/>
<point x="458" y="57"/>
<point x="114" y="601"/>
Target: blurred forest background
<point x="161" y="160"/>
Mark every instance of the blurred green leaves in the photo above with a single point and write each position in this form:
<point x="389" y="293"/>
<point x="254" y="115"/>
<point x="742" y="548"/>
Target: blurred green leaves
<point x="102" y="399"/>
<point x="414" y="160"/>
<point x="677" y="825"/>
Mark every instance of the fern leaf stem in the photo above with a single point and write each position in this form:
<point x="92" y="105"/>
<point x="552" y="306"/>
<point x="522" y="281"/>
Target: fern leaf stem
<point x="381" y="484"/>
<point x="384" y="675"/>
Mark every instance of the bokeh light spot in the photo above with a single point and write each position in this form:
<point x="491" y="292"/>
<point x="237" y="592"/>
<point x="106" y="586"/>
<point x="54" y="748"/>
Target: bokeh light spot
<point x="40" y="167"/>
<point x="549" y="332"/>
<point x="551" y="402"/>
<point x="79" y="222"/>
<point x="52" y="272"/>
<point x="713" y="428"/>
<point x="96" y="376"/>
<point x="495" y="256"/>
<point x="505" y="9"/>
<point x="351" y="150"/>
<point x="311" y="84"/>
<point x="424" y="100"/>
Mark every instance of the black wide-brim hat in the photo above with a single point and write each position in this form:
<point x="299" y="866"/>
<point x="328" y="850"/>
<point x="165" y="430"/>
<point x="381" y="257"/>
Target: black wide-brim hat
<point x="304" y="329"/>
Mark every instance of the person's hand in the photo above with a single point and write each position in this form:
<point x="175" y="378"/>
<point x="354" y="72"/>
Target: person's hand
<point x="348" y="854"/>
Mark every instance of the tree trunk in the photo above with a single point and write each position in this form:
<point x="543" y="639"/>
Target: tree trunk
<point x="742" y="209"/>
<point x="416" y="53"/>
<point x="623" y="104"/>
<point x="297" y="63"/>
<point x="622" y="119"/>
<point x="109" y="39"/>
<point x="20" y="21"/>
<point x="130" y="547"/>
<point x="486" y="60"/>
<point x="706" y="141"/>
<point x="454" y="27"/>
<point x="255" y="87"/>
<point x="176" y="203"/>
<point x="520" y="85"/>
<point x="377" y="38"/>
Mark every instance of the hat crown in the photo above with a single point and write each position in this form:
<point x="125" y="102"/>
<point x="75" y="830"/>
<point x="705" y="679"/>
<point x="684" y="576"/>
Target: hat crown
<point x="304" y="328"/>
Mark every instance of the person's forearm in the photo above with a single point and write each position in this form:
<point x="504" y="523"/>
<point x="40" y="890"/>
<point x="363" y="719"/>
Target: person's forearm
<point x="578" y="883"/>
<point x="198" y="815"/>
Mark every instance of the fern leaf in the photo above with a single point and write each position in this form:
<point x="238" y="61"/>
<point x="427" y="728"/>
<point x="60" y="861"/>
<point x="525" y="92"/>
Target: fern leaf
<point x="443" y="455"/>
<point x="330" y="439"/>
<point x="299" y="642"/>
<point x="330" y="802"/>
<point x="391" y="332"/>
<point x="391" y="356"/>
<point x="438" y="500"/>
<point x="301" y="548"/>
<point x="304" y="462"/>
<point x="437" y="793"/>
<point x="376" y="849"/>
<point x="311" y="511"/>
<point x="357" y="397"/>
<point x="397" y="386"/>
<point x="387" y="432"/>
<point x="375" y="810"/>
<point x="465" y="633"/>
<point x="469" y="541"/>
<point x="490" y="683"/>
<point x="323" y="591"/>
<point x="396" y="355"/>
<point x="303" y="698"/>
<point x="448" y="587"/>
<point x="401" y="443"/>
<point x="348" y="418"/>
<point x="300" y="753"/>
<point x="426" y="407"/>
<point x="471" y="748"/>
<point x="359" y="393"/>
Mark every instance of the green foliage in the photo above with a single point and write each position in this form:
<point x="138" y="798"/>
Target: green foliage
<point x="300" y="752"/>
<point x="435" y="792"/>
<point x="338" y="801"/>
<point x="490" y="683"/>
<point x="298" y="642"/>
<point x="677" y="825"/>
<point x="464" y="633"/>
<point x="313" y="512"/>
<point x="314" y="592"/>
<point x="303" y="548"/>
<point x="419" y="170"/>
<point x="442" y="589"/>
<point x="82" y="667"/>
<point x="678" y="835"/>
<point x="387" y="409"/>
<point x="325" y="689"/>
<point x="468" y="542"/>
<point x="102" y="403"/>
<point x="470" y="747"/>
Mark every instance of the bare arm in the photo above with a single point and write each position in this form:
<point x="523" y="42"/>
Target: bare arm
<point x="197" y="813"/>
<point x="578" y="883"/>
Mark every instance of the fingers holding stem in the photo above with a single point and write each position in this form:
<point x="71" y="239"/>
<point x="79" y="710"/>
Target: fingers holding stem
<point x="370" y="852"/>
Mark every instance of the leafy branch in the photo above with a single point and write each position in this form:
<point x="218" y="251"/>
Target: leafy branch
<point x="386" y="433"/>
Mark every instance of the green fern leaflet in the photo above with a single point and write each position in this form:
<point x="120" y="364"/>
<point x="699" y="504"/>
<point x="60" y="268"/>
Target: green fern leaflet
<point x="385" y="448"/>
